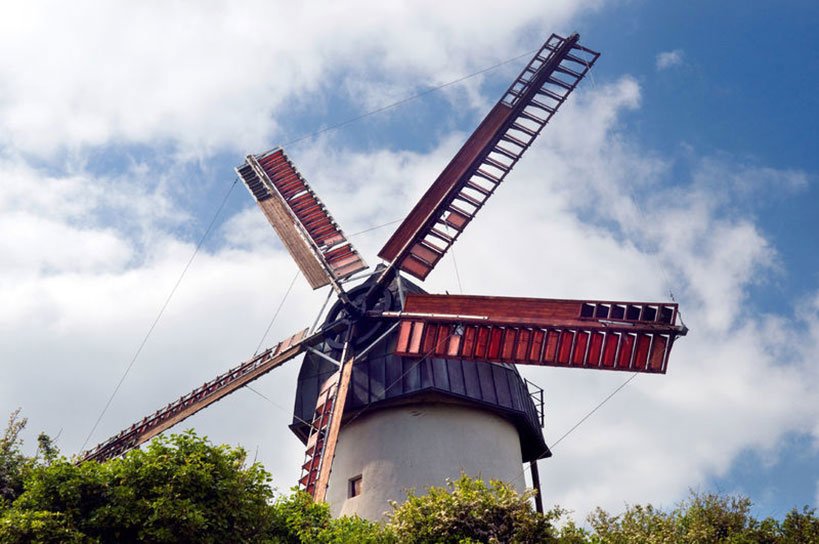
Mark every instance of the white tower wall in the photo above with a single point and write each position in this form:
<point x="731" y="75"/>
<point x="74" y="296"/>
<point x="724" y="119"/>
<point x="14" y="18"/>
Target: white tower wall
<point x="417" y="446"/>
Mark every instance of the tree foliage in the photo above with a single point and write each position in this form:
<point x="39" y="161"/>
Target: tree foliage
<point x="297" y="519"/>
<point x="179" y="489"/>
<point x="184" y="489"/>
<point x="468" y="510"/>
<point x="13" y="464"/>
<point x="701" y="519"/>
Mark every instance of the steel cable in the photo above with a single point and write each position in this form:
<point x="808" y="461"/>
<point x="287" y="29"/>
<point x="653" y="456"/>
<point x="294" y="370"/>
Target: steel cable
<point x="161" y="312"/>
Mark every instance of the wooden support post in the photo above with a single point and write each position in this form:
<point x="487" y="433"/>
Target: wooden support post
<point x="347" y="359"/>
<point x="536" y="486"/>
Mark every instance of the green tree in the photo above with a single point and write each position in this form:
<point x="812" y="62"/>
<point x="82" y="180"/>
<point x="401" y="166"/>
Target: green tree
<point x="297" y="520"/>
<point x="470" y="511"/>
<point x="643" y="524"/>
<point x="701" y="519"/>
<point x="178" y="489"/>
<point x="39" y="527"/>
<point x="799" y="527"/>
<point x="13" y="464"/>
<point x="714" y="518"/>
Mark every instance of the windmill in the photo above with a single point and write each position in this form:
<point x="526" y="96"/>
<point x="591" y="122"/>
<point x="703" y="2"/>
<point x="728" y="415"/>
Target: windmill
<point x="388" y="354"/>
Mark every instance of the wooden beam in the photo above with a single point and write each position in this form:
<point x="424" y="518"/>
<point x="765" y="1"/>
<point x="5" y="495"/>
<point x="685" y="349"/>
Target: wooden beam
<point x="536" y="486"/>
<point x="348" y="358"/>
<point x="203" y="396"/>
<point x="280" y="220"/>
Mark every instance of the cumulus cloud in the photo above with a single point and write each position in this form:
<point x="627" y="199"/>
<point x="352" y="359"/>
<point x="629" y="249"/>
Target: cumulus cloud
<point x="669" y="59"/>
<point x="216" y="76"/>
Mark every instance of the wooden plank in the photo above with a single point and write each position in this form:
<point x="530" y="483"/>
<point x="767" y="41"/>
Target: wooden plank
<point x="527" y="311"/>
<point x="522" y="348"/>
<point x="417" y="335"/>
<point x="331" y="438"/>
<point x="453" y="348"/>
<point x="403" y="336"/>
<point x="626" y="355"/>
<point x="579" y="352"/>
<point x="568" y="348"/>
<point x="550" y="355"/>
<point x="657" y="358"/>
<point x="595" y="348"/>
<point x="280" y="219"/>
<point x="509" y="344"/>
<point x="538" y="345"/>
<point x="564" y="349"/>
<point x="495" y="338"/>
<point x="470" y="333"/>
<point x="610" y="350"/>
<point x="641" y="353"/>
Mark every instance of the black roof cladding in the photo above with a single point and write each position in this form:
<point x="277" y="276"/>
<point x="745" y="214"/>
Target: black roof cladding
<point x="381" y="379"/>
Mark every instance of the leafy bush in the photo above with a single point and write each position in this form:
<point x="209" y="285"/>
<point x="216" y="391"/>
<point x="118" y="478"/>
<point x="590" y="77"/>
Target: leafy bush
<point x="470" y="511"/>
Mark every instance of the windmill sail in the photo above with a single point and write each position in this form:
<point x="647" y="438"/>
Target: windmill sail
<point x="631" y="336"/>
<point x="202" y="397"/>
<point x="488" y="155"/>
<point x="306" y="229"/>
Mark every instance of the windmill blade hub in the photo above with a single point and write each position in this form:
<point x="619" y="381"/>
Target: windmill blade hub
<point x="358" y="312"/>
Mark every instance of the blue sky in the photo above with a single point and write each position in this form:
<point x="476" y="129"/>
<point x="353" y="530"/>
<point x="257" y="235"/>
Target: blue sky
<point x="686" y="162"/>
<point x="745" y="85"/>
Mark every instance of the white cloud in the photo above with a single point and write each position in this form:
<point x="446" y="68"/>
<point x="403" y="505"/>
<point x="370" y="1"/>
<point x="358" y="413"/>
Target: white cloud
<point x="219" y="75"/>
<point x="669" y="59"/>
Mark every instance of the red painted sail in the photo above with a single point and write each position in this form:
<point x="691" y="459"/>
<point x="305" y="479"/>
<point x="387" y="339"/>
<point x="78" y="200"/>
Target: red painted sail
<point x="632" y="336"/>
<point x="304" y="225"/>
